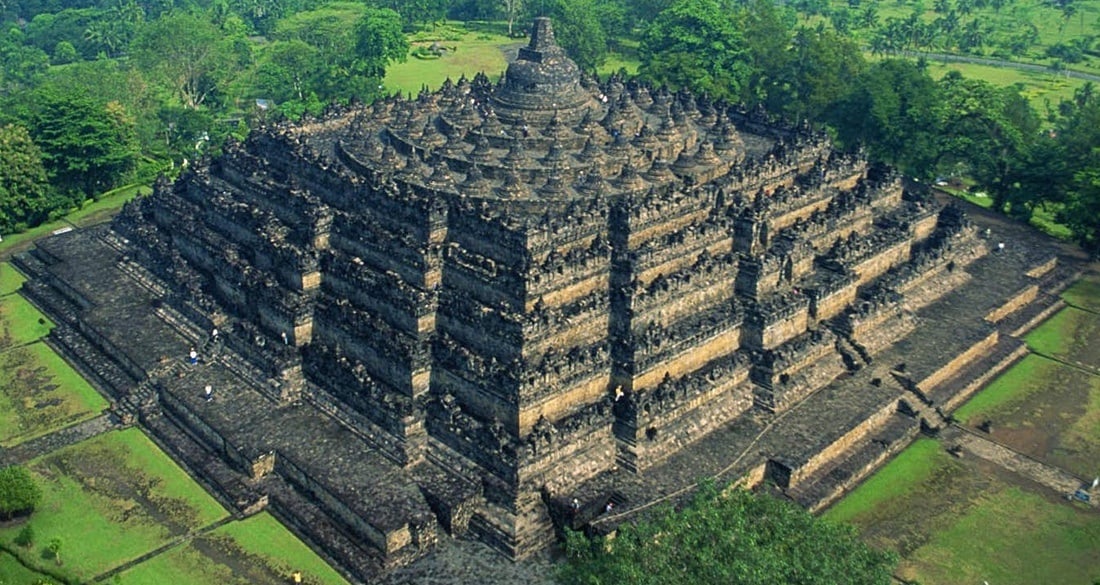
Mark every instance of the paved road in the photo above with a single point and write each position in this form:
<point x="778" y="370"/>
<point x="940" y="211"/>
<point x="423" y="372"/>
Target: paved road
<point x="999" y="63"/>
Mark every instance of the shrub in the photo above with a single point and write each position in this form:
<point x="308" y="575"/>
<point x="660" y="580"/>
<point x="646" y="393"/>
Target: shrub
<point x="19" y="495"/>
<point x="25" y="538"/>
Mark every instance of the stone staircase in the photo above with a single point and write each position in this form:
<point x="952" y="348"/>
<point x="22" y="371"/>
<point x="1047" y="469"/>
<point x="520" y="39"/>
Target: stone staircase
<point x="914" y="403"/>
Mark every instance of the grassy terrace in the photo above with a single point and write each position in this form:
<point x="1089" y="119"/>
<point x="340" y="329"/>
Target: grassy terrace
<point x="39" y="392"/>
<point x="115" y="498"/>
<point x="240" y="553"/>
<point x="956" y="521"/>
<point x="968" y="520"/>
<point x="110" y="499"/>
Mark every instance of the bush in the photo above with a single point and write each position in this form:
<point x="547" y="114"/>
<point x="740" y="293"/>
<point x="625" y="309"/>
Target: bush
<point x="25" y="538"/>
<point x="19" y="495"/>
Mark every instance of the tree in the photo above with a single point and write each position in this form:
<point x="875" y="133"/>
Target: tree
<point x="24" y="188"/>
<point x="186" y="54"/>
<point x="578" y="29"/>
<point x="378" y="42"/>
<point x="728" y="538"/>
<point x="54" y="548"/>
<point x="891" y="111"/>
<point x="288" y="70"/>
<point x="823" y="66"/>
<point x="986" y="132"/>
<point x="25" y="538"/>
<point x="19" y="494"/>
<point x="415" y="12"/>
<point x="696" y="43"/>
<point x="87" y="147"/>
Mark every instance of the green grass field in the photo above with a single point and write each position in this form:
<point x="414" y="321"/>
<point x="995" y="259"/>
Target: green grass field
<point x="1085" y="293"/>
<point x="90" y="213"/>
<point x="1045" y="409"/>
<point x="474" y="52"/>
<point x="956" y="521"/>
<point x="10" y="279"/>
<point x="904" y="473"/>
<point x="257" y="550"/>
<point x="1072" y="335"/>
<point x="1023" y="378"/>
<point x="1008" y="535"/>
<point x="111" y="499"/>
<point x="40" y="393"/>
<point x="20" y="322"/>
<point x="1042" y="89"/>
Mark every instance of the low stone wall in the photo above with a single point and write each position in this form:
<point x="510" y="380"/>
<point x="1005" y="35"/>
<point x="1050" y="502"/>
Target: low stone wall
<point x="1013" y="304"/>
<point x="971" y="354"/>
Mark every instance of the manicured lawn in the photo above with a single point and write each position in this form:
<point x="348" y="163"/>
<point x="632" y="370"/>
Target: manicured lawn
<point x="1013" y="385"/>
<point x="257" y="550"/>
<point x="1072" y="335"/>
<point x="90" y="212"/>
<point x="1085" y="293"/>
<point x="93" y="212"/>
<point x="10" y="279"/>
<point x="111" y="499"/>
<point x="1038" y="87"/>
<point x="40" y="393"/>
<point x="20" y="322"/>
<point x="474" y="52"/>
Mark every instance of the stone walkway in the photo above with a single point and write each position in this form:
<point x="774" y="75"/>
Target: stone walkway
<point x="58" y="440"/>
<point x="1057" y="479"/>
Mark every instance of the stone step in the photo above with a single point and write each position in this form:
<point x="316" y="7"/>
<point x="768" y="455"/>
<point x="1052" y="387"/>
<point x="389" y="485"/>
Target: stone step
<point x="84" y="356"/>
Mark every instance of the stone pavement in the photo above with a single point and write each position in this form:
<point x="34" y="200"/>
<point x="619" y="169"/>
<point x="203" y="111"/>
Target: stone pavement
<point x="1057" y="479"/>
<point x="57" y="440"/>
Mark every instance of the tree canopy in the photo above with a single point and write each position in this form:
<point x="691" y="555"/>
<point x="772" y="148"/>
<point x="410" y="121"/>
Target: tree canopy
<point x="738" y="538"/>
<point x="695" y="43"/>
<point x="87" y="147"/>
<point x="24" y="189"/>
<point x="19" y="494"/>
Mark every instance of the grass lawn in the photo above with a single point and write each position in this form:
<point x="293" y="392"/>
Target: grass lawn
<point x="474" y="52"/>
<point x="904" y="473"/>
<point x="1011" y="536"/>
<point x="1085" y="293"/>
<point x="111" y="499"/>
<point x="91" y="212"/>
<point x="964" y="521"/>
<point x="14" y="573"/>
<point x="1039" y="87"/>
<point x="20" y="322"/>
<point x="10" y="279"/>
<point x="40" y="393"/>
<point x="1045" y="409"/>
<point x="1072" y="335"/>
<point x="257" y="550"/>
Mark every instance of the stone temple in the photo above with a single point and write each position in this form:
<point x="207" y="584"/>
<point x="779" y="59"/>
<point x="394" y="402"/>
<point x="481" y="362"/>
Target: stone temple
<point x="500" y="309"/>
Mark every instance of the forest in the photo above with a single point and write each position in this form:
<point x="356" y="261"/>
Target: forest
<point x="96" y="94"/>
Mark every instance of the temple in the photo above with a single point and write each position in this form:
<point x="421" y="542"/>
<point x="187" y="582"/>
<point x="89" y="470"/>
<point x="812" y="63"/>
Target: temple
<point x="503" y="308"/>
